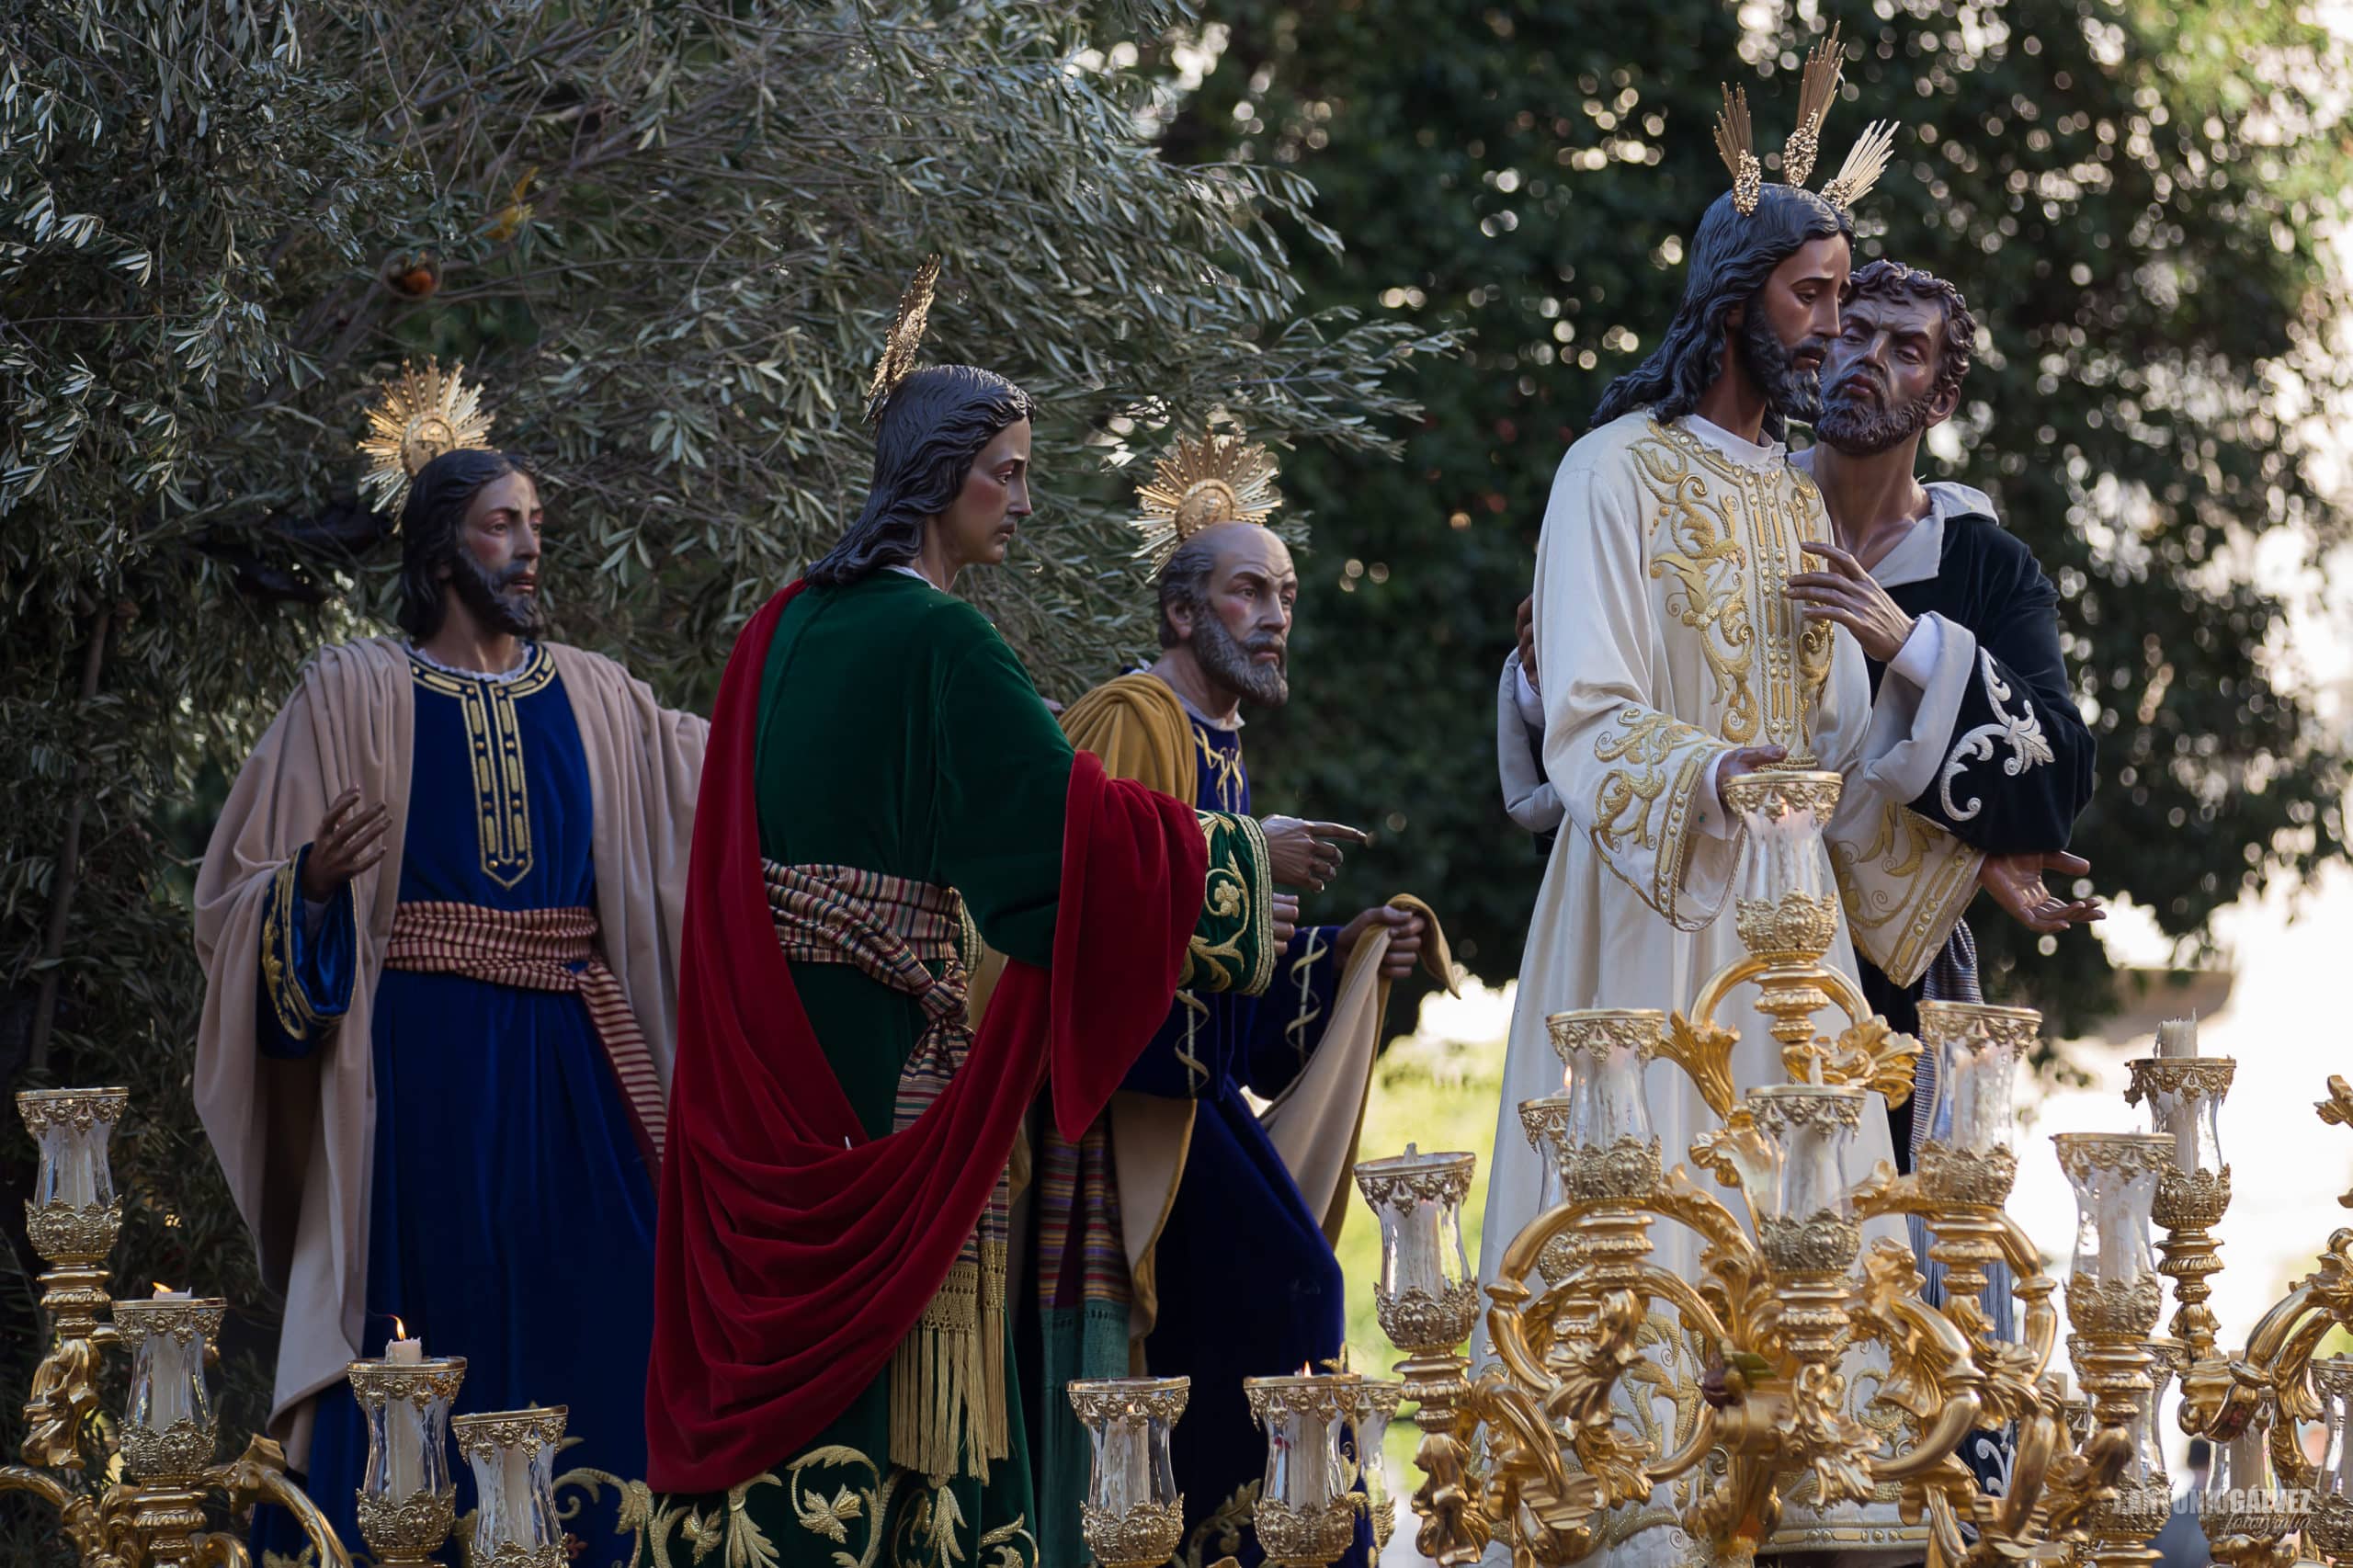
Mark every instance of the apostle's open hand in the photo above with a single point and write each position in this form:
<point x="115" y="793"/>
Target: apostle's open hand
<point x="1846" y="594"/>
<point x="2015" y="882"/>
<point x="1407" y="931"/>
<point x="1285" y="920"/>
<point x="1306" y="855"/>
<point x="350" y="840"/>
<point x="1526" y="624"/>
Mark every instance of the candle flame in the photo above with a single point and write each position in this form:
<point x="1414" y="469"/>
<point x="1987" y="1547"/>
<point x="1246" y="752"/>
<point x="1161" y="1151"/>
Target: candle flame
<point x="1304" y="1370"/>
<point x="400" y="1329"/>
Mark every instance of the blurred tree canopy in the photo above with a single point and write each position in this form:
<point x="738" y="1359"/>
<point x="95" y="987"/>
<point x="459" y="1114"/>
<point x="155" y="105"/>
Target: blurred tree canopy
<point x="669" y="239"/>
<point x="2136" y="199"/>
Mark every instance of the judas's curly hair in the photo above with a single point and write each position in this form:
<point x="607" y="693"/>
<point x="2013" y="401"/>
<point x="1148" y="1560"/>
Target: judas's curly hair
<point x="1894" y="281"/>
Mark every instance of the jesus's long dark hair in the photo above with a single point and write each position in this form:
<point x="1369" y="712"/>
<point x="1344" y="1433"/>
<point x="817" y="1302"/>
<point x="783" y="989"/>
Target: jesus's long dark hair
<point x="932" y="431"/>
<point x="1732" y="256"/>
<point x="438" y="500"/>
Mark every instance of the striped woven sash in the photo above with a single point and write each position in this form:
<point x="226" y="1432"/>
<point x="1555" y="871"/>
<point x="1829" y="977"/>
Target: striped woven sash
<point x="538" y="949"/>
<point x="948" y="1378"/>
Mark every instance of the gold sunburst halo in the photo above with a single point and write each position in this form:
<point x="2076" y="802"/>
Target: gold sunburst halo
<point x="1197" y="485"/>
<point x="419" y="415"/>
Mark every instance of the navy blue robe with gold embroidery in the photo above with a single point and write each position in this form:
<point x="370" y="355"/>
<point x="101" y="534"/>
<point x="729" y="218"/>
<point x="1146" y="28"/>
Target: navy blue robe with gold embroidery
<point x="1248" y="1285"/>
<point x="511" y="1215"/>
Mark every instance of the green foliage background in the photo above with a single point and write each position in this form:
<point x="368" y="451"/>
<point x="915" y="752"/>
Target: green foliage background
<point x="2133" y="197"/>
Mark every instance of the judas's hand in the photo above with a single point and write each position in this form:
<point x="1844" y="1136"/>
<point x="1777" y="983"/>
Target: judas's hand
<point x="1526" y="619"/>
<point x="350" y="840"/>
<point x="1285" y="920"/>
<point x="1747" y="759"/>
<point x="1405" y="932"/>
<point x="2015" y="882"/>
<point x="1307" y="854"/>
<point x="1846" y="594"/>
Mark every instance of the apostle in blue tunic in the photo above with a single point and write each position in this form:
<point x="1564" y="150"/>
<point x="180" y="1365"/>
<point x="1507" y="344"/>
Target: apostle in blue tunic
<point x="1226" y="1157"/>
<point x="438" y="919"/>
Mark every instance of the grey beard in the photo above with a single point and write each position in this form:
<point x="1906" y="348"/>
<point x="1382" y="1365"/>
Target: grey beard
<point x="1227" y="661"/>
<point x="1791" y="392"/>
<point x="485" y="594"/>
<point x="1860" y="429"/>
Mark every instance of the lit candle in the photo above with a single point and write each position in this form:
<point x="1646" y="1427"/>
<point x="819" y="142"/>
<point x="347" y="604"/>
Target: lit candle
<point x="2177" y="1037"/>
<point x="170" y="1367"/>
<point x="403" y="1423"/>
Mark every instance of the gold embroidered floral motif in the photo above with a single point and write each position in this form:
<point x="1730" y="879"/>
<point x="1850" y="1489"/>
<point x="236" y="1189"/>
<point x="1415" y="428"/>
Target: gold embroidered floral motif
<point x="851" y="1509"/>
<point x="494" y="754"/>
<point x="1905" y="880"/>
<point x="1695" y="541"/>
<point x="1728" y="536"/>
<point x="1233" y="946"/>
<point x="1647" y="805"/>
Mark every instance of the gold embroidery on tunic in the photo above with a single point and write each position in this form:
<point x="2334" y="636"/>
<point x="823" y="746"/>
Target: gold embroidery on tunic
<point x="494" y="752"/>
<point x="1728" y="537"/>
<point x="1907" y="874"/>
<point x="1226" y="782"/>
<point x="281" y="974"/>
<point x="1313" y="945"/>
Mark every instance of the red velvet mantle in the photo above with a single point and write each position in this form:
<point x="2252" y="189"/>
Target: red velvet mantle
<point x="794" y="1252"/>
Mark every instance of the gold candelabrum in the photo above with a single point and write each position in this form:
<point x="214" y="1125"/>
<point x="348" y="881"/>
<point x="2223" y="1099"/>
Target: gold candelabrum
<point x="2267" y="1503"/>
<point x="144" y="1506"/>
<point x="1536" y="1453"/>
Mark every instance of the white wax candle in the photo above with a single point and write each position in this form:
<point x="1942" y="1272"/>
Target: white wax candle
<point x="405" y="1352"/>
<point x="403" y="1449"/>
<point x="1127" y="1465"/>
<point x="170" y="1365"/>
<point x="2117" y="1264"/>
<point x="2177" y="1037"/>
<point x="1418" y="1267"/>
<point x="77" y="1174"/>
<point x="2177" y="1114"/>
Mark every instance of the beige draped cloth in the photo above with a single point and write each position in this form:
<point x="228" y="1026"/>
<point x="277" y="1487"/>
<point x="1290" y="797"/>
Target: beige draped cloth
<point x="296" y="1138"/>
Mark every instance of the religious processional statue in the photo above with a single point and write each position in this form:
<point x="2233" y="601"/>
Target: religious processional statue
<point x="1673" y="659"/>
<point x="438" y="920"/>
<point x="834" y="1366"/>
<point x="1145" y="1224"/>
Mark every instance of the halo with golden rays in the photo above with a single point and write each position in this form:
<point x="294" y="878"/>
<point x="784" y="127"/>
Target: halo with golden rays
<point x="1199" y="484"/>
<point x="415" y="418"/>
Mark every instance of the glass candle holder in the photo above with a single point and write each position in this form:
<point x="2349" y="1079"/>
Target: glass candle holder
<point x="1133" y="1516"/>
<point x="169" y="1428"/>
<point x="1377" y="1402"/>
<point x="74" y="1212"/>
<point x="2112" y="1291"/>
<point x="407" y="1502"/>
<point x="2241" y="1498"/>
<point x="512" y="1453"/>
<point x="1610" y="1150"/>
<point x="1969" y="1157"/>
<point x="2329" y="1528"/>
<point x="1787" y="911"/>
<point x="1306" y="1511"/>
<point x="1546" y="1120"/>
<point x="1426" y="1296"/>
<point x="1804" y="1217"/>
<point x="2185" y="1096"/>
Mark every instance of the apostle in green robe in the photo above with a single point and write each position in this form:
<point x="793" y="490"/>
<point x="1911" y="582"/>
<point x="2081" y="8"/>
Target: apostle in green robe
<point x="833" y="1376"/>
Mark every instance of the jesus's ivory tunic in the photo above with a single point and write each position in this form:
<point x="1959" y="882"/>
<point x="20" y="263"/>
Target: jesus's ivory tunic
<point x="1664" y="642"/>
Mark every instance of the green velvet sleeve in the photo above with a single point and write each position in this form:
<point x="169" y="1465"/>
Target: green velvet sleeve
<point x="1004" y="777"/>
<point x="1233" y="948"/>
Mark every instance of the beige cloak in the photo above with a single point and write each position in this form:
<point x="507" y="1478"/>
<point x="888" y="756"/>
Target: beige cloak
<point x="296" y="1138"/>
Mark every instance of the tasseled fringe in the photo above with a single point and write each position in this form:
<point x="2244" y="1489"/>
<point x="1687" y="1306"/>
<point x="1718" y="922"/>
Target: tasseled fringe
<point x="948" y="1407"/>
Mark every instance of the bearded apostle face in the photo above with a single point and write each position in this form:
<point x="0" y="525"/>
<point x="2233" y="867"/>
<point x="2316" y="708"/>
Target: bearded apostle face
<point x="1904" y="342"/>
<point x="494" y="566"/>
<point x="978" y="527"/>
<point x="1785" y="331"/>
<point x="1227" y="594"/>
